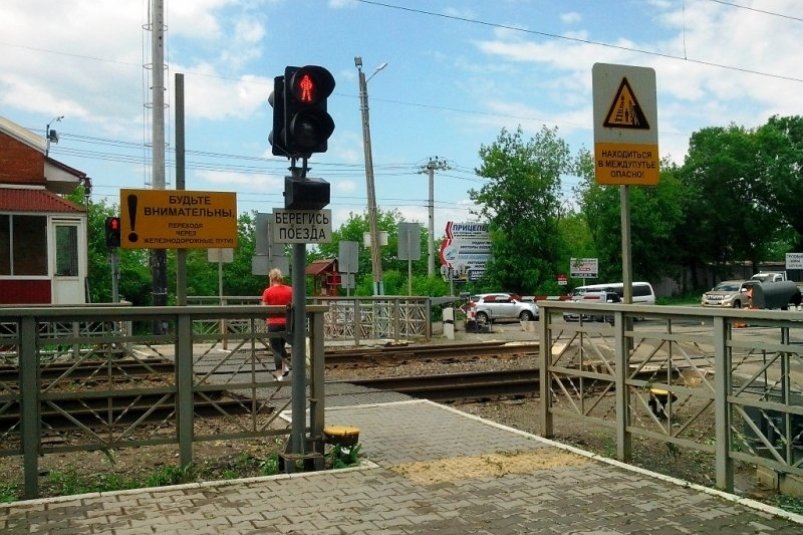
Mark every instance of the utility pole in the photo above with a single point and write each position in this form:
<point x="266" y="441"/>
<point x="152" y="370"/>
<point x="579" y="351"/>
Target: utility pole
<point x="376" y="252"/>
<point x="158" y="256"/>
<point x="433" y="164"/>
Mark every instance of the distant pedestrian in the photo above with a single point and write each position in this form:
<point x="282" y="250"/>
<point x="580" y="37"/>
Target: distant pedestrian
<point x="278" y="293"/>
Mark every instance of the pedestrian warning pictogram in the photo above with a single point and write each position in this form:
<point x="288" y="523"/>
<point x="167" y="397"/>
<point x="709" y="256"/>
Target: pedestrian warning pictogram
<point x="625" y="111"/>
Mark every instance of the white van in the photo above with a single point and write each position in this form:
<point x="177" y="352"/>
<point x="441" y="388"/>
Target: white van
<point x="643" y="293"/>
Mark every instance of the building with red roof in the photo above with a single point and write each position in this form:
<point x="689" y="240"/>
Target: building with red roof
<point x="43" y="236"/>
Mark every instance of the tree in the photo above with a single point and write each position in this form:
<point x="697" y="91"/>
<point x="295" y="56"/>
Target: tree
<point x="655" y="215"/>
<point x="726" y="208"/>
<point x="780" y="156"/>
<point x="522" y="205"/>
<point x="135" y="279"/>
<point x="394" y="270"/>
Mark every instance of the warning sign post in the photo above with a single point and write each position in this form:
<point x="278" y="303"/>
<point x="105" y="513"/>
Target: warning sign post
<point x="625" y="125"/>
<point x="177" y="219"/>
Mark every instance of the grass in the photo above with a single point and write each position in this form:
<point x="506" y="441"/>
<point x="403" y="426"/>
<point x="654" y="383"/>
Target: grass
<point x="70" y="481"/>
<point x="680" y="300"/>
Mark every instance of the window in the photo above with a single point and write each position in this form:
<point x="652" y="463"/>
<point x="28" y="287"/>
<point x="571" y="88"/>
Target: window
<point x="641" y="290"/>
<point x="66" y="251"/>
<point x="5" y="244"/>
<point x="23" y="245"/>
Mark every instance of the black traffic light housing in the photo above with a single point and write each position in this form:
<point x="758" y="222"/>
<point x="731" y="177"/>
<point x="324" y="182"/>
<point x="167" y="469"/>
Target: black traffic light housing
<point x="112" y="232"/>
<point x="307" y="124"/>
<point x="305" y="193"/>
<point x="276" y="100"/>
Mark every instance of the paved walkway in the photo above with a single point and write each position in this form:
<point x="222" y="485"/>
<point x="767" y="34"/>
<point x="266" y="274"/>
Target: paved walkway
<point x="430" y="469"/>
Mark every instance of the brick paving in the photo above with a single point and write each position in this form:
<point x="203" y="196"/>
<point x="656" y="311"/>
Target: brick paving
<point x="427" y="469"/>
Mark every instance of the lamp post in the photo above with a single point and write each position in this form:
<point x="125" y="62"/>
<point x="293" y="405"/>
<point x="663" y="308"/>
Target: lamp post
<point x="376" y="257"/>
<point x="51" y="135"/>
<point x="429" y="168"/>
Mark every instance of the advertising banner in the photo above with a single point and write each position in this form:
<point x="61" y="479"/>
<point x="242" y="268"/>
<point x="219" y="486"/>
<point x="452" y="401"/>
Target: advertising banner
<point x="465" y="250"/>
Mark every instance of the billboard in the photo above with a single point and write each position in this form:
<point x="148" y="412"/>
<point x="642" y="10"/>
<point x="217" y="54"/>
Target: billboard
<point x="465" y="250"/>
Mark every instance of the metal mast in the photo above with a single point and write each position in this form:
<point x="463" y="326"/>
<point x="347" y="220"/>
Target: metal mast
<point x="158" y="256"/>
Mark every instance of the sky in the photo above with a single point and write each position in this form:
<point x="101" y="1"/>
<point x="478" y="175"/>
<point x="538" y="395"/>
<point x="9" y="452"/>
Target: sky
<point x="458" y="72"/>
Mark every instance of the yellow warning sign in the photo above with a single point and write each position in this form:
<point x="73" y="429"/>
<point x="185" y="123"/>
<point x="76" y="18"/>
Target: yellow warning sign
<point x="626" y="164"/>
<point x="625" y="111"/>
<point x="178" y="219"/>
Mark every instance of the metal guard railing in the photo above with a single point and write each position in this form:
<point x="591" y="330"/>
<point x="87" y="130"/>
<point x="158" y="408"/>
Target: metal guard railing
<point x="354" y="319"/>
<point x="79" y="379"/>
<point x="727" y="382"/>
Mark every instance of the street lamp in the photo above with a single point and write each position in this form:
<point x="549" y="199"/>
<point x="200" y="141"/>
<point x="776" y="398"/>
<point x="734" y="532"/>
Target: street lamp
<point x="51" y="135"/>
<point x="376" y="257"/>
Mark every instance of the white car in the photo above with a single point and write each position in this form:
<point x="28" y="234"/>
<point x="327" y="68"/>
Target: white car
<point x="491" y="307"/>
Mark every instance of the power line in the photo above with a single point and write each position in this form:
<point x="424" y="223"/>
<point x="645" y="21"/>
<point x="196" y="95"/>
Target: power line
<point x="582" y="41"/>
<point x="756" y="10"/>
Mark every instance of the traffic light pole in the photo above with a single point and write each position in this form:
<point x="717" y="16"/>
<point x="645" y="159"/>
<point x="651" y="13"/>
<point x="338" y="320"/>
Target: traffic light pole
<point x="115" y="264"/>
<point x="298" y="340"/>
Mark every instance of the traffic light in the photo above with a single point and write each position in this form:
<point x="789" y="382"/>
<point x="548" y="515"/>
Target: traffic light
<point x="112" y="232"/>
<point x="307" y="125"/>
<point x="305" y="193"/>
<point x="276" y="100"/>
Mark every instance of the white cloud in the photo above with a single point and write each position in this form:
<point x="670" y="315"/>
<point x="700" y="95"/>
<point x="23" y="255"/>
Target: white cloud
<point x="341" y="4"/>
<point x="571" y="18"/>
<point x="242" y="182"/>
<point x="212" y="97"/>
<point x="344" y="186"/>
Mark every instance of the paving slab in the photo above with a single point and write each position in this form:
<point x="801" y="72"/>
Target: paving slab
<point x="427" y="468"/>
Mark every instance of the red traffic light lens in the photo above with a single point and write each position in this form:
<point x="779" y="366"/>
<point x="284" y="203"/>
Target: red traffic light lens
<point x="114" y="223"/>
<point x="311" y="84"/>
<point x="306" y="89"/>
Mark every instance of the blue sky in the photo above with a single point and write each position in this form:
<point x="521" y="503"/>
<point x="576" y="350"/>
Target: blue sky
<point x="458" y="72"/>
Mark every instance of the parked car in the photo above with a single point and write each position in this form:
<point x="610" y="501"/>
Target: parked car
<point x="730" y="293"/>
<point x="769" y="276"/>
<point x="491" y="307"/>
<point x="605" y="296"/>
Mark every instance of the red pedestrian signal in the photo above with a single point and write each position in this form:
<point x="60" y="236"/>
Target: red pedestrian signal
<point x="307" y="123"/>
<point x="113" y="232"/>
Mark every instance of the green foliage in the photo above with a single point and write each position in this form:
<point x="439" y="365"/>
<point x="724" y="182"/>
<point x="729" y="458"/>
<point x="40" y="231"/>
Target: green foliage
<point x="343" y="457"/>
<point x="779" y="155"/>
<point x="725" y="198"/>
<point x="9" y="492"/>
<point x="736" y="197"/>
<point x="170" y="475"/>
<point x="522" y="202"/>
<point x="71" y="482"/>
<point x="656" y="214"/>
<point x="135" y="277"/>
<point x="270" y="465"/>
<point x="789" y="503"/>
<point x="394" y="276"/>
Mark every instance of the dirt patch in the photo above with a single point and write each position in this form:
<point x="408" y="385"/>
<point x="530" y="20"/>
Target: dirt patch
<point x="492" y="465"/>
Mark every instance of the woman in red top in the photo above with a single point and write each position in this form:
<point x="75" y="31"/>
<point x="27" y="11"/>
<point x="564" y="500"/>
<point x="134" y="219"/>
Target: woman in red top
<point x="279" y="294"/>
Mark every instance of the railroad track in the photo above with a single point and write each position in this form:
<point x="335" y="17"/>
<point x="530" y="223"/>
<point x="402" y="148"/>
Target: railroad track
<point x="83" y="370"/>
<point x="122" y="408"/>
<point x="470" y="386"/>
<point x="438" y="352"/>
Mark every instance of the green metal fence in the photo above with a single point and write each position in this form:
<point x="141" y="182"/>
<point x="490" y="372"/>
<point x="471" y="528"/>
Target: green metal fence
<point x="357" y="320"/>
<point x="726" y="382"/>
<point x="87" y="378"/>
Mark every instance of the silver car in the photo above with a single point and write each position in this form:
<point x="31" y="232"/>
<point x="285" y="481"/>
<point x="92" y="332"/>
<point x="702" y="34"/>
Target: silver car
<point x="732" y="293"/>
<point x="500" y="307"/>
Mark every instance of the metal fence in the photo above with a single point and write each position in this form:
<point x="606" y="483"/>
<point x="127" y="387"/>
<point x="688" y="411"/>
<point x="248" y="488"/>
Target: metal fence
<point x="94" y="378"/>
<point x="357" y="319"/>
<point x="726" y="382"/>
